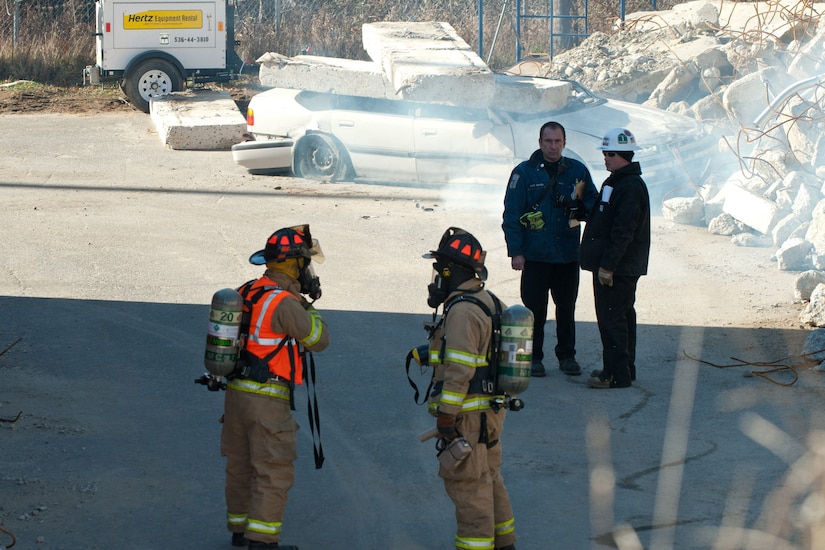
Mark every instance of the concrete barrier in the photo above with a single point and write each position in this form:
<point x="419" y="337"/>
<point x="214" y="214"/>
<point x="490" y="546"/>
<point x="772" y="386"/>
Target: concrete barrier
<point x="203" y="120"/>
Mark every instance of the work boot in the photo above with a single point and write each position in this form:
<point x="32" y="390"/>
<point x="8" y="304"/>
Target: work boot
<point x="570" y="367"/>
<point x="537" y="370"/>
<point x="508" y="547"/>
<point x="598" y="372"/>
<point x="239" y="540"/>
<point x="600" y="383"/>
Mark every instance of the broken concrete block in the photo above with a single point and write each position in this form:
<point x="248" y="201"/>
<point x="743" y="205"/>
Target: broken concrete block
<point x="806" y="282"/>
<point x="781" y="232"/>
<point x="793" y="255"/>
<point x="806" y="199"/>
<point x="751" y="209"/>
<point x="723" y="224"/>
<point x="530" y="95"/>
<point x="816" y="231"/>
<point x="746" y="97"/>
<point x="428" y="62"/>
<point x="202" y="120"/>
<point x="814" y="312"/>
<point x="689" y="211"/>
<point x="680" y="82"/>
<point x="813" y="350"/>
<point x="323" y="74"/>
<point x="750" y="240"/>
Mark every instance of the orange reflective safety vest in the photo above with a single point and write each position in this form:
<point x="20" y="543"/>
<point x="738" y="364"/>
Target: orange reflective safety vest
<point x="280" y="352"/>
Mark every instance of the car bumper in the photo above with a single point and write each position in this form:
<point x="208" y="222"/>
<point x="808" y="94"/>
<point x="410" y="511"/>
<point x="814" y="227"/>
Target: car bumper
<point x="261" y="157"/>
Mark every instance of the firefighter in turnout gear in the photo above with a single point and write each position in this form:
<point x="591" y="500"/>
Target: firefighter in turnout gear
<point x="259" y="431"/>
<point x="461" y="395"/>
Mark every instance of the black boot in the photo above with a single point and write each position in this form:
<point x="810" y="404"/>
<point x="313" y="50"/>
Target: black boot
<point x="258" y="545"/>
<point x="239" y="540"/>
<point x="508" y="547"/>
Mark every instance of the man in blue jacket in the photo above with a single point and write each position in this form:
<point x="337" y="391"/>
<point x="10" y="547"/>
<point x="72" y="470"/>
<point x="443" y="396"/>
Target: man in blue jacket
<point x="616" y="248"/>
<point x="546" y="197"/>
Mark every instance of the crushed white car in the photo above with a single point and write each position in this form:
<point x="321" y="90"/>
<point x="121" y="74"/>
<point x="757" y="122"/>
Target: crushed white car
<point x="331" y="137"/>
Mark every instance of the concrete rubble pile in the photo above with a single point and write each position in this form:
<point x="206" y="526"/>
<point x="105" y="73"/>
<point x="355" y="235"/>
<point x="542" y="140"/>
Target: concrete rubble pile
<point x="755" y="74"/>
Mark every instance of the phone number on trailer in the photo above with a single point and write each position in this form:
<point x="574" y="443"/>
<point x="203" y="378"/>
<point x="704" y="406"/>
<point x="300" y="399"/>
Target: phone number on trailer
<point x="191" y="39"/>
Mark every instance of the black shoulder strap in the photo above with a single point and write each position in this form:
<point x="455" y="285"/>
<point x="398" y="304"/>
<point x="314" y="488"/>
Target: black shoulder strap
<point x="552" y="185"/>
<point x="495" y="340"/>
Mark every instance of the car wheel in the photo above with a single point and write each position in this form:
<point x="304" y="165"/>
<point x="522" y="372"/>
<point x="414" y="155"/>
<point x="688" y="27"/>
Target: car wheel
<point x="152" y="78"/>
<point x="319" y="157"/>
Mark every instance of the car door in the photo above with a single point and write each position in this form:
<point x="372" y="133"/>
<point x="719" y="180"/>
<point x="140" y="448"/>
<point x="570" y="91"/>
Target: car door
<point x="461" y="145"/>
<point x="378" y="136"/>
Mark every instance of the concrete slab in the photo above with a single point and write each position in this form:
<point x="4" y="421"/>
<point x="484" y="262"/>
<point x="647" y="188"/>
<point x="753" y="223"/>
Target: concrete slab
<point x="530" y="95"/>
<point x="428" y="62"/>
<point x="749" y="208"/>
<point x="203" y="120"/>
<point x="323" y="74"/>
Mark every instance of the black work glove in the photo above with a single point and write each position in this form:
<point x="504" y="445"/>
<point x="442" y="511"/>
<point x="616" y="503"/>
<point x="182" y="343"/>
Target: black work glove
<point x="446" y="426"/>
<point x="563" y="201"/>
<point x="578" y="211"/>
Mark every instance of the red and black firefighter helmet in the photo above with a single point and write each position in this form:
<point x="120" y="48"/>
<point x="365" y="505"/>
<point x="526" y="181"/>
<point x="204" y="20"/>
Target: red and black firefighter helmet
<point x="461" y="247"/>
<point x="289" y="242"/>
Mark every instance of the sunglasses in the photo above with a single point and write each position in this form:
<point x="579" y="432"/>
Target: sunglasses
<point x="609" y="154"/>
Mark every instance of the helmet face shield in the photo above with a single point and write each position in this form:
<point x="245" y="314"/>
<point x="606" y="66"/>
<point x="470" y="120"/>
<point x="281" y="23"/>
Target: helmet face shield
<point x="315" y="252"/>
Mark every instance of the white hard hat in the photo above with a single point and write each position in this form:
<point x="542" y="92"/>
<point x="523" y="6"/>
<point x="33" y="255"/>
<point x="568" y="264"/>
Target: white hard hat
<point x="618" y="139"/>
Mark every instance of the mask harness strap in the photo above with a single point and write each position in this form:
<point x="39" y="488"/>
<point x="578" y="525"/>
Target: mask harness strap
<point x="312" y="409"/>
<point x="423" y="360"/>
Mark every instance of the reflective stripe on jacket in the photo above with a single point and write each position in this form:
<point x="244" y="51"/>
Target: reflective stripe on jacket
<point x="263" y="340"/>
<point x="458" y="353"/>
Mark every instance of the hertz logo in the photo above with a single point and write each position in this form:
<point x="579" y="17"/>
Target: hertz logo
<point x="164" y="19"/>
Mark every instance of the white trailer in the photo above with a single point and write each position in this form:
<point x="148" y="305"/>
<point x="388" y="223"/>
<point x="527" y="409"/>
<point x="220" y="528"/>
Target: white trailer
<point x="157" y="47"/>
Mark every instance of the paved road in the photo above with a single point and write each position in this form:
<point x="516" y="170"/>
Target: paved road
<point x="111" y="249"/>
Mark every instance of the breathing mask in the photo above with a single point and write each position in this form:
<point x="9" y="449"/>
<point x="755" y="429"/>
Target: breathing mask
<point x="310" y="283"/>
<point x="439" y="288"/>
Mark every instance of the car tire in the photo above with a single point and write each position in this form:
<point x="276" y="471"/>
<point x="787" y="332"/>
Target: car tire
<point x="319" y="157"/>
<point x="151" y="78"/>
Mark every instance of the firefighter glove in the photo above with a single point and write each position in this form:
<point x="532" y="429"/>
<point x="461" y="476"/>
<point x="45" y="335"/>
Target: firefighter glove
<point x="605" y="277"/>
<point x="446" y="425"/>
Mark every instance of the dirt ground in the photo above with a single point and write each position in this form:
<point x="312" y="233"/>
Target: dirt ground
<point x="24" y="98"/>
<point x="112" y="246"/>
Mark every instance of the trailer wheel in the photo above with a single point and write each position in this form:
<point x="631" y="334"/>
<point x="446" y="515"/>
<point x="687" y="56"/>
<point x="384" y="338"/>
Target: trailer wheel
<point x="319" y="157"/>
<point x="152" y="78"/>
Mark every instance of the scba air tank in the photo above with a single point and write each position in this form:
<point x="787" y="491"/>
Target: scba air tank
<point x="516" y="350"/>
<point x="222" y="345"/>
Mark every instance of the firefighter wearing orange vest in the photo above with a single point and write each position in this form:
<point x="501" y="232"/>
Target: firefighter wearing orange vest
<point x="259" y="431"/>
<point x="461" y="395"/>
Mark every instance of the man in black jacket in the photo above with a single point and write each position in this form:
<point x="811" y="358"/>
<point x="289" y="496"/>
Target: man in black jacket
<point x="616" y="247"/>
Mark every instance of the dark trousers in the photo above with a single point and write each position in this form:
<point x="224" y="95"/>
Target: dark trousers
<point x="616" y="317"/>
<point x="540" y="281"/>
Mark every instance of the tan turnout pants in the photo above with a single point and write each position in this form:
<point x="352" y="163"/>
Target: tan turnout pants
<point x="259" y="443"/>
<point x="483" y="513"/>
